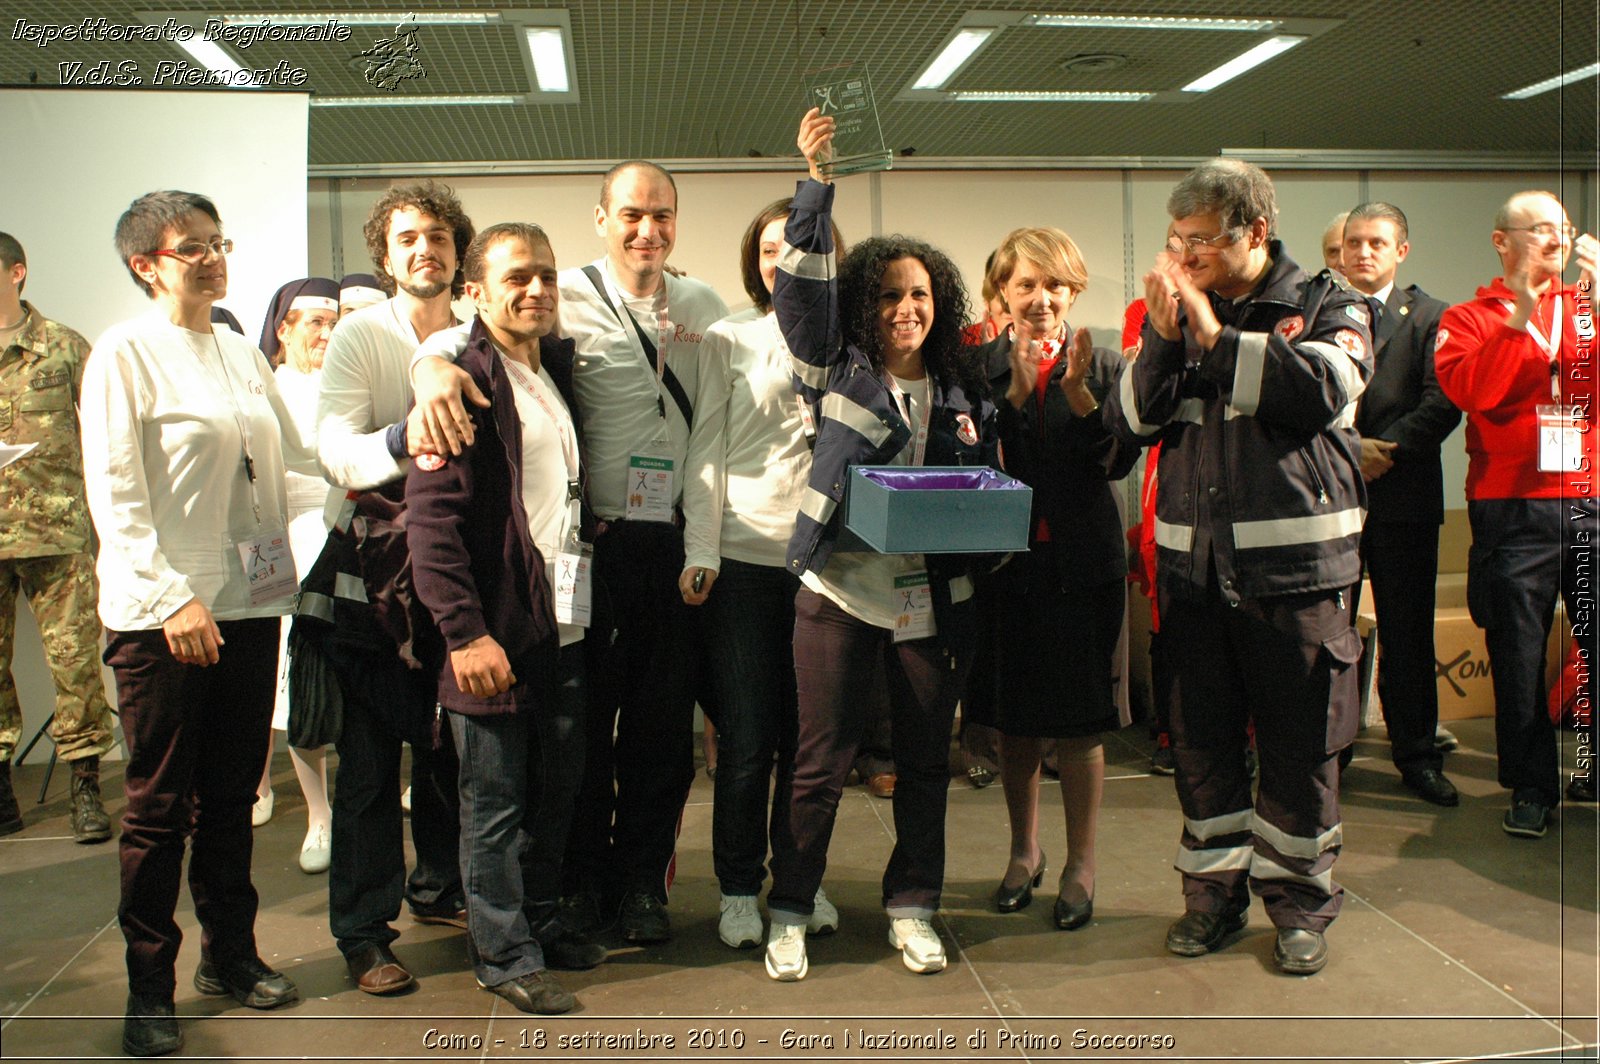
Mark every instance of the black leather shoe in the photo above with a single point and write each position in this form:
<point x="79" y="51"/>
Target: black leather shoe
<point x="1581" y="789"/>
<point x="248" y="979"/>
<point x="536" y="992"/>
<point x="376" y="970"/>
<point x="1070" y="916"/>
<point x="1300" y="952"/>
<point x="1198" y="933"/>
<point x="1431" y="786"/>
<point x="447" y="913"/>
<point x="150" y="1029"/>
<point x="1015" y="899"/>
<point x="644" y="918"/>
<point x="572" y="951"/>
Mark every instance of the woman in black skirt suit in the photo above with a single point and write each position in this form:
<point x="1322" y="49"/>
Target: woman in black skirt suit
<point x="1055" y="611"/>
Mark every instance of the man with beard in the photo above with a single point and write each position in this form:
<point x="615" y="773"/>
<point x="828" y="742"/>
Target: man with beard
<point x="416" y="235"/>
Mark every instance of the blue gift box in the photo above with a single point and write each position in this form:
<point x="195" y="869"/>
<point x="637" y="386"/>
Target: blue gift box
<point x="937" y="509"/>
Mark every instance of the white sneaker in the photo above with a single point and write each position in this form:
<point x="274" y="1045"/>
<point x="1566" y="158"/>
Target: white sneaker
<point x="918" y="944"/>
<point x="261" y="812"/>
<point x="786" y="952"/>
<point x="824" y="918"/>
<point x="740" y="924"/>
<point x="315" y="851"/>
<point x="1444" y="740"/>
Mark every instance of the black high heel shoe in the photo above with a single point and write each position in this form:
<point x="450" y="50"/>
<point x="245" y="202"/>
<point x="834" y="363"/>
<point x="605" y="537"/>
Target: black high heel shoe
<point x="1015" y="899"/>
<point x="1069" y="916"/>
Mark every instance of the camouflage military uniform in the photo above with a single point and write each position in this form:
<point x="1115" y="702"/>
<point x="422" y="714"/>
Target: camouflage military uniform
<point x="45" y="548"/>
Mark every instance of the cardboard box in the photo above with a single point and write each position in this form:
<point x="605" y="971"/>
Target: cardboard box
<point x="937" y="509"/>
<point x="1466" y="688"/>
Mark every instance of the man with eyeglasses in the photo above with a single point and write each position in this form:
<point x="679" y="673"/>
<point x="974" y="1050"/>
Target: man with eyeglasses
<point x="1403" y="417"/>
<point x="45" y="547"/>
<point x="1248" y="377"/>
<point x="1519" y="359"/>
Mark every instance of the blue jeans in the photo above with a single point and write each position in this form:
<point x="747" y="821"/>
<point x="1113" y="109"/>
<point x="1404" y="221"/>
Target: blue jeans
<point x="519" y="782"/>
<point x="750" y="635"/>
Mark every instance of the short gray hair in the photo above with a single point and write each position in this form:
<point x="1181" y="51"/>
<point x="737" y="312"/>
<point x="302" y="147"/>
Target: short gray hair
<point x="1237" y="191"/>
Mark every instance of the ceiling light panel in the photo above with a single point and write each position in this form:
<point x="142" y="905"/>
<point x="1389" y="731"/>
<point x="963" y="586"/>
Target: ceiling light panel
<point x="1045" y="96"/>
<point x="1267" y="50"/>
<point x="953" y="56"/>
<point x="1151" y="22"/>
<point x="1560" y="80"/>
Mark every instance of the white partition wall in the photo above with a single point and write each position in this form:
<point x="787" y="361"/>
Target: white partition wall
<point x="245" y="150"/>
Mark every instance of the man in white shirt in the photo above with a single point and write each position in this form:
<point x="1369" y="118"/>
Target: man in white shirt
<point x="637" y="332"/>
<point x="416" y="235"/>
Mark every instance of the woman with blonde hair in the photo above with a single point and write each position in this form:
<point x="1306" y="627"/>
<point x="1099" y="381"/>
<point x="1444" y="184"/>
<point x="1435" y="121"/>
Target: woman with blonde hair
<point x="1058" y="607"/>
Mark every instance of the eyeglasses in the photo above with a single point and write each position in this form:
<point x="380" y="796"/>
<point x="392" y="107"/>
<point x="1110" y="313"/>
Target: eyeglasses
<point x="1200" y="245"/>
<point x="197" y="250"/>
<point x="1546" y="230"/>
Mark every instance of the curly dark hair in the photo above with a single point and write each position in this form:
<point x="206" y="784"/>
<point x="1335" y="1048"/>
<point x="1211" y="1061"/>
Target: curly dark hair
<point x="947" y="361"/>
<point x="430" y="197"/>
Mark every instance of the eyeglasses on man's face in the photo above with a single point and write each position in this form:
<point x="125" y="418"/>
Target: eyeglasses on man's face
<point x="1201" y="245"/>
<point x="197" y="250"/>
<point x="1546" y="230"/>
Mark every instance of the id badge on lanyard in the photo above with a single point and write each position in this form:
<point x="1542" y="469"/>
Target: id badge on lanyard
<point x="268" y="567"/>
<point x="574" y="584"/>
<point x="913" y="603"/>
<point x="1560" y="438"/>
<point x="650" y="473"/>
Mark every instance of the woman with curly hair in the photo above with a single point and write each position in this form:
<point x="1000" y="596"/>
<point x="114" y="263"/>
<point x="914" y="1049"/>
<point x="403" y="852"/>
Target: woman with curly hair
<point x="877" y="354"/>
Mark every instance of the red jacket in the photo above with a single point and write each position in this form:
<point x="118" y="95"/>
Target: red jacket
<point x="1499" y="376"/>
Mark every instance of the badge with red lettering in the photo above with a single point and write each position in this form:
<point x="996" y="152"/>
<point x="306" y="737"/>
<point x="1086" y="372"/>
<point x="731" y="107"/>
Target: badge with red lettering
<point x="1290" y="327"/>
<point x="966" y="431"/>
<point x="1439" y="340"/>
<point x="1350" y="343"/>
<point x="430" y="463"/>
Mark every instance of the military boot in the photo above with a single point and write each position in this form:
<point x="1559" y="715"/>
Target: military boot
<point x="89" y="820"/>
<point x="10" y="815"/>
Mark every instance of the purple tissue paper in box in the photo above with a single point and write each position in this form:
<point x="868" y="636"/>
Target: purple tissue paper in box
<point x="937" y="509"/>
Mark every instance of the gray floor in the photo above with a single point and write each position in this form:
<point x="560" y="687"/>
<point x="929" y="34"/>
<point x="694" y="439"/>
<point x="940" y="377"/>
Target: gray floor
<point x="1456" y="942"/>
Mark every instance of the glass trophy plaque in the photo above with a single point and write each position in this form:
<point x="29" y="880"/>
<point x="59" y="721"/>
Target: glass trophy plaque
<point x="845" y="93"/>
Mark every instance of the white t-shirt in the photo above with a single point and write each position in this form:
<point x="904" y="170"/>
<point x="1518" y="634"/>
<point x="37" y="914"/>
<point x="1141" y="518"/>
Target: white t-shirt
<point x="366" y="387"/>
<point x="617" y="390"/>
<point x="549" y="447"/>
<point x="166" y="415"/>
<point x="748" y="458"/>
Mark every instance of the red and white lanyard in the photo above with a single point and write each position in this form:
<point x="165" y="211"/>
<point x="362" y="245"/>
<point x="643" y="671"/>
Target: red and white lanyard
<point x="1550" y="345"/>
<point x="564" y="429"/>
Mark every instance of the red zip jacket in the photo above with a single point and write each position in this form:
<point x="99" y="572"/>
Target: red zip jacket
<point x="1499" y="376"/>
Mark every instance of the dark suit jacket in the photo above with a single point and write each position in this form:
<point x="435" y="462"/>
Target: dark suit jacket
<point x="1403" y="404"/>
<point x="1068" y="461"/>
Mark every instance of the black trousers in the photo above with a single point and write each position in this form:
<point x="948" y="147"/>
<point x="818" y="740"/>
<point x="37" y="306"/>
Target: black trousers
<point x="197" y="740"/>
<point x="639" y="747"/>
<point x="386" y="706"/>
<point x="1525" y="551"/>
<point x="1402" y="560"/>
<point x="1286" y="664"/>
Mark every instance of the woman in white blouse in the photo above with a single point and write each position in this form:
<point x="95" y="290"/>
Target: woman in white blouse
<point x="185" y="440"/>
<point x="749" y="457"/>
